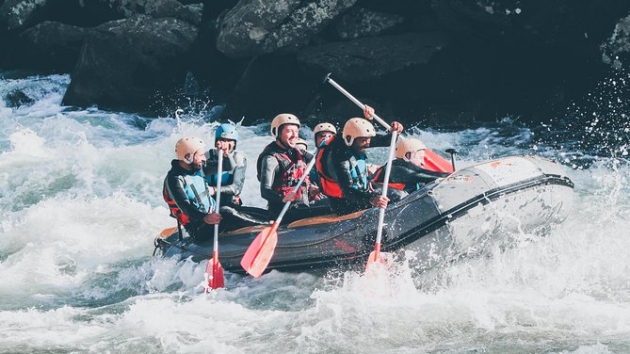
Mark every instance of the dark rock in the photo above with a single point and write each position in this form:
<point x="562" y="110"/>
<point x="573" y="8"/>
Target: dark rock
<point x="361" y="22"/>
<point x="48" y="46"/>
<point x="269" y="85"/>
<point x="370" y="58"/>
<point x="616" y="49"/>
<point x="17" y="98"/>
<point x="502" y="58"/>
<point x="16" y="14"/>
<point x="154" y="8"/>
<point x="255" y="27"/>
<point x="124" y="63"/>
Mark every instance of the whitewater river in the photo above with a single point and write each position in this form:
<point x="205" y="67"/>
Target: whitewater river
<point x="80" y="197"/>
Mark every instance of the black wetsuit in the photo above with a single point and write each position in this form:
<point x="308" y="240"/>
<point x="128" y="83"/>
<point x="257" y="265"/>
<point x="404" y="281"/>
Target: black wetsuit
<point x="407" y="176"/>
<point x="178" y="189"/>
<point x="357" y="191"/>
<point x="271" y="173"/>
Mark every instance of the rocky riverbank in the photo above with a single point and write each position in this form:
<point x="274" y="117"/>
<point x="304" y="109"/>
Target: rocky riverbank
<point x="437" y="62"/>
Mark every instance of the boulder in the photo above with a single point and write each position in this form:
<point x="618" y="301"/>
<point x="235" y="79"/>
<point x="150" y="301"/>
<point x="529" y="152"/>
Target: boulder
<point x="361" y="22"/>
<point x="17" y="98"/>
<point x="17" y="14"/>
<point x="125" y="63"/>
<point x="48" y="46"/>
<point x="256" y="27"/>
<point x="371" y="58"/>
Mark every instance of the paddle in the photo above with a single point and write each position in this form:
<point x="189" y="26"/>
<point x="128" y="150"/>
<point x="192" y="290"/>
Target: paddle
<point x="167" y="232"/>
<point x="355" y="101"/>
<point x="214" y="270"/>
<point x="375" y="256"/>
<point x="432" y="160"/>
<point x="259" y="253"/>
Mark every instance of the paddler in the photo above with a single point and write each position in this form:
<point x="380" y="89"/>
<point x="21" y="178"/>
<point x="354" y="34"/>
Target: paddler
<point x="408" y="172"/>
<point x="342" y="165"/>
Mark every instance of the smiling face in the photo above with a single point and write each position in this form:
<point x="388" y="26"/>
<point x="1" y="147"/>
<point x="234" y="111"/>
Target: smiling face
<point x="288" y="135"/>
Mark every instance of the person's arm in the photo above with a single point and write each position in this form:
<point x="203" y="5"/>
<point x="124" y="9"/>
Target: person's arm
<point x="420" y="175"/>
<point x="175" y="187"/>
<point x="269" y="168"/>
<point x="382" y="140"/>
<point x="238" y="177"/>
<point x="211" y="166"/>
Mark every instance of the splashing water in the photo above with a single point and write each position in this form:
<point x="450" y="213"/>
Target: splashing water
<point x="81" y="204"/>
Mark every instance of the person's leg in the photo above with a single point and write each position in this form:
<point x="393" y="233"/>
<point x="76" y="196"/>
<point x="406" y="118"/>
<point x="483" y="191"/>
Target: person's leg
<point x="233" y="219"/>
<point x="203" y="233"/>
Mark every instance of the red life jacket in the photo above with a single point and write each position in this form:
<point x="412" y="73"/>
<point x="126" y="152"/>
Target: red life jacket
<point x="176" y="212"/>
<point x="329" y="185"/>
<point x="291" y="171"/>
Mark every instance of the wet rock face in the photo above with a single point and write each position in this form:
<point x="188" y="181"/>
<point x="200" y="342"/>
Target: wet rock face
<point x="125" y="62"/>
<point x="15" y="14"/>
<point x="437" y="61"/>
<point x="17" y="98"/>
<point x="260" y="27"/>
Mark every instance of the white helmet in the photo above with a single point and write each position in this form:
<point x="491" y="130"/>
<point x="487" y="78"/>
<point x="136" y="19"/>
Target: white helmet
<point x="357" y="128"/>
<point x="301" y="141"/>
<point x="324" y="127"/>
<point x="185" y="148"/>
<point x="403" y="146"/>
<point x="282" y="119"/>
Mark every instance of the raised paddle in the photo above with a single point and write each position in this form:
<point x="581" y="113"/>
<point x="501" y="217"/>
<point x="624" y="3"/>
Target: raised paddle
<point x="354" y="100"/>
<point x="261" y="250"/>
<point x="376" y="256"/>
<point x="214" y="270"/>
<point x="432" y="160"/>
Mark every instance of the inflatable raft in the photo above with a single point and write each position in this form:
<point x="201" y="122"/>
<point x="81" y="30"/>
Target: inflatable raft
<point x="458" y="215"/>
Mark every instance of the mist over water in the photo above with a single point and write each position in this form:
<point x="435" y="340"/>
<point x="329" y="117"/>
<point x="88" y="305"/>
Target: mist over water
<point x="80" y="195"/>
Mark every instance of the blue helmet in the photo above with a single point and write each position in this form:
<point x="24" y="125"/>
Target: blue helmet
<point x="226" y="131"/>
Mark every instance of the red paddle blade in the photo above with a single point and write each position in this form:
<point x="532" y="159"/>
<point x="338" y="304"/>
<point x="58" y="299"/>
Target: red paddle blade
<point x="168" y="232"/>
<point x="214" y="270"/>
<point x="376" y="258"/>
<point x="435" y="162"/>
<point x="261" y="250"/>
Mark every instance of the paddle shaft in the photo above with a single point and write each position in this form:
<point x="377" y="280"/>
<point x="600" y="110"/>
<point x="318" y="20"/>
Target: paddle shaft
<point x="259" y="253"/>
<point x="309" y="167"/>
<point x="214" y="269"/>
<point x="215" y="246"/>
<point x="356" y="101"/>
<point x="388" y="171"/>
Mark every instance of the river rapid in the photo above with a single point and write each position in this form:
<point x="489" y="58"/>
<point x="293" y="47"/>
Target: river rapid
<point x="80" y="196"/>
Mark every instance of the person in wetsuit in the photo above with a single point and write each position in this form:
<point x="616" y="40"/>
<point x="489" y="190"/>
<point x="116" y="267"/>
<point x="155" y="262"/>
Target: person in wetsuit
<point x="342" y="166"/>
<point x="234" y="166"/>
<point x="186" y="191"/>
<point x="407" y="171"/>
<point x="280" y="166"/>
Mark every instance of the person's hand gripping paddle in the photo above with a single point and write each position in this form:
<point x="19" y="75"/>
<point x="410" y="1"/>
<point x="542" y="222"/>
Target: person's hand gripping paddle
<point x="214" y="270"/>
<point x="261" y="250"/>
